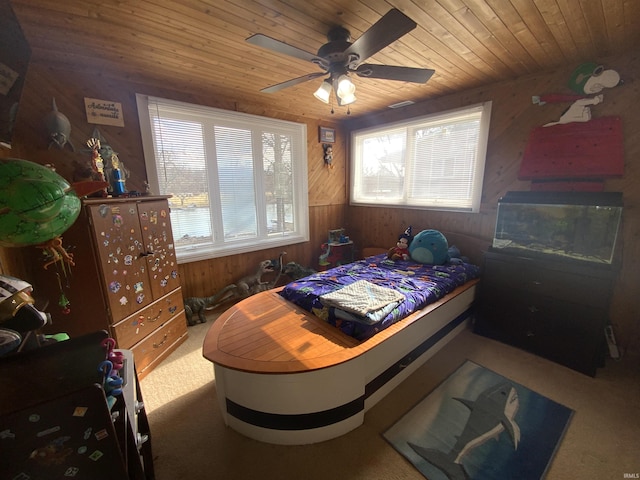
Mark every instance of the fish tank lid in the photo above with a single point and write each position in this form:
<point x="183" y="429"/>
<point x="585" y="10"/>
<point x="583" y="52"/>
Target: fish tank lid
<point x="578" y="227"/>
<point x="601" y="199"/>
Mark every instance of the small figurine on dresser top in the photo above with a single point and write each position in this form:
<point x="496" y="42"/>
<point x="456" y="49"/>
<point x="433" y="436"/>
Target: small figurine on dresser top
<point x="401" y="250"/>
<point x="96" y="170"/>
<point x="115" y="171"/>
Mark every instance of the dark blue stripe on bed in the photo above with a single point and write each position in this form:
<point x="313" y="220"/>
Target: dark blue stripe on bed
<point x="301" y="421"/>
<point x="306" y="421"/>
<point x="397" y="367"/>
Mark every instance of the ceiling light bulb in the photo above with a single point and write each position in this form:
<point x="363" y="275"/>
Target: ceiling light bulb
<point x="345" y="87"/>
<point x="347" y="99"/>
<point x="324" y="91"/>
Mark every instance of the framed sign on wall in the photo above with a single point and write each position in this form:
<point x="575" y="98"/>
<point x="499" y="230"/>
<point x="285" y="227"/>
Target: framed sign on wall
<point x="327" y="135"/>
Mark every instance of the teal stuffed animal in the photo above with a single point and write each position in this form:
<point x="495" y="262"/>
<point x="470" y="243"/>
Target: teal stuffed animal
<point x="429" y="247"/>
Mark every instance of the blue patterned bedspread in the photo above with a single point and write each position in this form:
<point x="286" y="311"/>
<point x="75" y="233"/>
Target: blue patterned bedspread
<point x="420" y="284"/>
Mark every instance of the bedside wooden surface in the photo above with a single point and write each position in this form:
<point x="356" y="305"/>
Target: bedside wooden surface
<point x="267" y="334"/>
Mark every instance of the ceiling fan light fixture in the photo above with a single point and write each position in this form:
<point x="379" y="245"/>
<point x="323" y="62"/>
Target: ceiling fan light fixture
<point x="346" y="88"/>
<point x="340" y="57"/>
<point x="324" y="91"/>
<point x="347" y="99"/>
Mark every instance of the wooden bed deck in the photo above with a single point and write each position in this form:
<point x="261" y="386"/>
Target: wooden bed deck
<point x="287" y="377"/>
<point x="267" y="334"/>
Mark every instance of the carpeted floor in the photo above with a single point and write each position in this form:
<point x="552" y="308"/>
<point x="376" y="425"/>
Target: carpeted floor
<point x="478" y="424"/>
<point x="190" y="440"/>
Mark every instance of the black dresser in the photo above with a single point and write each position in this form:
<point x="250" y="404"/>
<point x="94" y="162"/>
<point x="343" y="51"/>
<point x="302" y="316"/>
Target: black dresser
<point x="555" y="309"/>
<point x="57" y="421"/>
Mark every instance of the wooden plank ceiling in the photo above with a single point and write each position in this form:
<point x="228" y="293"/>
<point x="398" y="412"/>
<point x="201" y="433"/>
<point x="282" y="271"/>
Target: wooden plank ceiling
<point x="200" y="44"/>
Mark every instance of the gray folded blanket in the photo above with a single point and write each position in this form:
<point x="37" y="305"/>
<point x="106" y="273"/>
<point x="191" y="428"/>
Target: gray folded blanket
<point x="361" y="298"/>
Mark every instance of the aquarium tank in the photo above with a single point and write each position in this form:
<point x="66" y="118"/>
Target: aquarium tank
<point x="569" y="225"/>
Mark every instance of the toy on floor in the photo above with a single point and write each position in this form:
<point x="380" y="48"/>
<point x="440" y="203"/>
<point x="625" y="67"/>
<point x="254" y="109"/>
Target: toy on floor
<point x="198" y="305"/>
<point x="295" y="271"/>
<point x="245" y="287"/>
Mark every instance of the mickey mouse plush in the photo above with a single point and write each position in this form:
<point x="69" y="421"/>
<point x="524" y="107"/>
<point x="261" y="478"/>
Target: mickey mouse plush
<point x="401" y="250"/>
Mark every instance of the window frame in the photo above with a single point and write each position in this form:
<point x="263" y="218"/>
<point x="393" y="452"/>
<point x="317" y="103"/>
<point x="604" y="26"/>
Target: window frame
<point x="300" y="197"/>
<point x="424" y="121"/>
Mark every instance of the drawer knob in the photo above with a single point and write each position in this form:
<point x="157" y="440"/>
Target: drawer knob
<point x="140" y="439"/>
<point x="158" y="345"/>
<point x="156" y="317"/>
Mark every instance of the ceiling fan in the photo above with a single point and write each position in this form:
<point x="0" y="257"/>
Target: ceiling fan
<point x="340" y="57"/>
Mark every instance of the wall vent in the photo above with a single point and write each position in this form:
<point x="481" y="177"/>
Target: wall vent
<point x="402" y="104"/>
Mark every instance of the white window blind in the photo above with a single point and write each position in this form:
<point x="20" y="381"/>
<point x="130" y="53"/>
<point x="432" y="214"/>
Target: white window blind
<point x="432" y="162"/>
<point x="238" y="182"/>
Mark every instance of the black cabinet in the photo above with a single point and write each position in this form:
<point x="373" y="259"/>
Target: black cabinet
<point x="56" y="421"/>
<point x="555" y="309"/>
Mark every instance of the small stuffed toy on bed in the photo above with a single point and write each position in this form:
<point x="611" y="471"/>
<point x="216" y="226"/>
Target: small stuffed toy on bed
<point x="401" y="250"/>
<point x="429" y="247"/>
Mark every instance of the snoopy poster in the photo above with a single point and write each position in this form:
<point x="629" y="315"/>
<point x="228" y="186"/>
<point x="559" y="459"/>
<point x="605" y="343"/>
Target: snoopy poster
<point x="480" y="425"/>
<point x="577" y="144"/>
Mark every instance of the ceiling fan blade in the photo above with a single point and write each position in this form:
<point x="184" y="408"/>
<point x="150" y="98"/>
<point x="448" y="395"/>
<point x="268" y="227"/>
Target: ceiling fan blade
<point x="393" y="25"/>
<point x="277" y="46"/>
<point x="388" y="72"/>
<point x="292" y="82"/>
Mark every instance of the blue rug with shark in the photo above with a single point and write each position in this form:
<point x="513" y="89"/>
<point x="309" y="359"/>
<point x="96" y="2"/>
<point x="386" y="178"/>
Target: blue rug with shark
<point x="480" y="425"/>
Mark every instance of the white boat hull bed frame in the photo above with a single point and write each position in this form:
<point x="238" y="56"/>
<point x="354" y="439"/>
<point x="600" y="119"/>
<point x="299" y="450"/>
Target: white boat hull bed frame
<point x="285" y="376"/>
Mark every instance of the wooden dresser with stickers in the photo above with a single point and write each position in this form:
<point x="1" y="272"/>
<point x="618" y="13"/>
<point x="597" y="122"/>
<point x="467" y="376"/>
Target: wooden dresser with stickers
<point x="125" y="279"/>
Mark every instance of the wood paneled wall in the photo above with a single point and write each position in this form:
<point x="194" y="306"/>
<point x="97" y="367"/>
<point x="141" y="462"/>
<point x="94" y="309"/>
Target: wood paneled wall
<point x="513" y="117"/>
<point x="327" y="186"/>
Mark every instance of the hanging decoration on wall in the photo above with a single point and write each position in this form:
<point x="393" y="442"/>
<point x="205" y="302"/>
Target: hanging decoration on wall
<point x="326" y="135"/>
<point x="55" y="253"/>
<point x="58" y="128"/>
<point x="586" y="80"/>
<point x="36" y="207"/>
<point x="577" y="151"/>
<point x="36" y="204"/>
<point x="104" y="112"/>
<point x="328" y="154"/>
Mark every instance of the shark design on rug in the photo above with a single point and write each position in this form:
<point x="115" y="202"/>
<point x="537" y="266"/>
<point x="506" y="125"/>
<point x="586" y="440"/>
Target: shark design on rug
<point x="491" y="413"/>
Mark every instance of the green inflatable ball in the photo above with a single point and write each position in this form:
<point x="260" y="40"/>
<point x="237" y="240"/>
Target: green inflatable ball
<point x="36" y="204"/>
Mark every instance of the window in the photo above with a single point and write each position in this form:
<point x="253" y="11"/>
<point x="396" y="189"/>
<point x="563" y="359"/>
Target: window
<point x="238" y="182"/>
<point x="432" y="162"/>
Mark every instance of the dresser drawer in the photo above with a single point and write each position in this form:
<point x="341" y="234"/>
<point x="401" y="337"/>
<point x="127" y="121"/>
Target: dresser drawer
<point x="557" y="310"/>
<point x="160" y="343"/>
<point x="570" y="286"/>
<point x="136" y="327"/>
